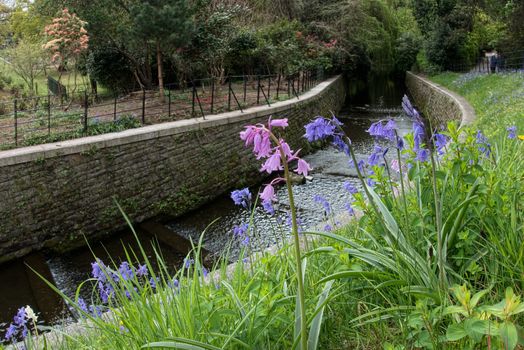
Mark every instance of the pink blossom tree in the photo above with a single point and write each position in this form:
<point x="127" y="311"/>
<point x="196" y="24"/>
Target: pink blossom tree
<point x="68" y="39"/>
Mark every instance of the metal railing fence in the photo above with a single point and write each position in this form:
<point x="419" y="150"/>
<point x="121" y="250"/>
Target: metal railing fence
<point x="50" y="118"/>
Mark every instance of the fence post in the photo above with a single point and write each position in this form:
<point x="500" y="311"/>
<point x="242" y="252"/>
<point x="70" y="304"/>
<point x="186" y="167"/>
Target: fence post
<point x="298" y="82"/>
<point x="212" y="94"/>
<point x="288" y="87"/>
<point x="193" y="102"/>
<point x="245" y="88"/>
<point x="278" y="85"/>
<point x="258" y="89"/>
<point x="114" y="108"/>
<point x="85" y="112"/>
<point x="269" y="87"/>
<point x="229" y="94"/>
<point x="169" y="103"/>
<point x="48" y="114"/>
<point x="16" y="121"/>
<point x="143" y="106"/>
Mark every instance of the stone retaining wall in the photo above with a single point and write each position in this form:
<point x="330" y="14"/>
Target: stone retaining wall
<point x="437" y="103"/>
<point x="51" y="195"/>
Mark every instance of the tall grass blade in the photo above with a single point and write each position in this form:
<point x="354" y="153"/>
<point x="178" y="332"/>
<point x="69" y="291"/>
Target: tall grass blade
<point x="314" y="331"/>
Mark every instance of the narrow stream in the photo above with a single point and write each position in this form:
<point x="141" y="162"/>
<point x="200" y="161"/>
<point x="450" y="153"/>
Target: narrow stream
<point x="366" y="104"/>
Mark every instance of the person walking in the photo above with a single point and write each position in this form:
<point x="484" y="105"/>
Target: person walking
<point x="493" y="62"/>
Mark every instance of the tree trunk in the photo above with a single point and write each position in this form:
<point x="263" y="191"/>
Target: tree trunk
<point x="160" y="71"/>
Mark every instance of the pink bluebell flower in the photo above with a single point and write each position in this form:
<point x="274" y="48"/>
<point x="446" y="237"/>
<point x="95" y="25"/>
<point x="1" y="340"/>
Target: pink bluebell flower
<point x="303" y="167"/>
<point x="272" y="163"/>
<point x="281" y="123"/>
<point x="268" y="194"/>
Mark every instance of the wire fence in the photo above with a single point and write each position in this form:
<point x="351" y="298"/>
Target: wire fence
<point x="491" y="63"/>
<point x="51" y="118"/>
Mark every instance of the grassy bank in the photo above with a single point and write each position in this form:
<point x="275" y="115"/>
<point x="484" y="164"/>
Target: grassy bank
<point x="434" y="262"/>
<point x="498" y="99"/>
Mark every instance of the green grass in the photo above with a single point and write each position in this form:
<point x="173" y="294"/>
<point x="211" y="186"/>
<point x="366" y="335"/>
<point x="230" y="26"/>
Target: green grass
<point x="67" y="79"/>
<point x="498" y="99"/>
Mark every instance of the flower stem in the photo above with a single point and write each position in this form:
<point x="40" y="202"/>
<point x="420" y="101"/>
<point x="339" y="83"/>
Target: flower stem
<point x="402" y="186"/>
<point x="298" y="258"/>
<point x="361" y="177"/>
<point x="296" y="239"/>
<point x="438" y="219"/>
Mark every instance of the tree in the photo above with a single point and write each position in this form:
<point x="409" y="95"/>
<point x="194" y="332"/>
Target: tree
<point x="5" y="31"/>
<point x="26" y="22"/>
<point x="27" y="61"/>
<point x="215" y="32"/>
<point x="68" y="40"/>
<point x="164" y="23"/>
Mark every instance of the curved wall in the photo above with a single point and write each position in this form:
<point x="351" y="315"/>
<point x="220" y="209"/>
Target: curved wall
<point x="51" y="195"/>
<point x="437" y="103"/>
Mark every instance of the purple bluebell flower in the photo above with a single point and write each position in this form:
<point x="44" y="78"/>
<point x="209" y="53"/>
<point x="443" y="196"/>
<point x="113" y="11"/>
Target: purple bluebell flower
<point x="361" y="164"/>
<point x="319" y="129"/>
<point x="82" y="305"/>
<point x="350" y="187"/>
<point x="152" y="283"/>
<point x="409" y="109"/>
<point x="188" y="263"/>
<point x="95" y="310"/>
<point x="205" y="271"/>
<point x="340" y="145"/>
<point x="241" y="197"/>
<point x="289" y="222"/>
<point x="11" y="332"/>
<point x="383" y="130"/>
<point x="245" y="241"/>
<point x="175" y="284"/>
<point x="400" y="143"/>
<point x="422" y="155"/>
<point x="268" y="207"/>
<point x="440" y="142"/>
<point x="128" y="293"/>
<point x="350" y="209"/>
<point x="328" y="228"/>
<point x="142" y="271"/>
<point x="377" y="157"/>
<point x="484" y="145"/>
<point x="240" y="230"/>
<point x="321" y="200"/>
<point x="98" y="270"/>
<point x="512" y="132"/>
<point x="104" y="292"/>
<point x="126" y="271"/>
<point x="369" y="180"/>
<point x="419" y="134"/>
<point x="20" y="317"/>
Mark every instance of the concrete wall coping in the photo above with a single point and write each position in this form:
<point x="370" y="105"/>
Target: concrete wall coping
<point x="85" y="144"/>
<point x="467" y="111"/>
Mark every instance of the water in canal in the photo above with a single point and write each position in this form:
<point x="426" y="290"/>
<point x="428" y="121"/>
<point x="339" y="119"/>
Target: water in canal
<point x="367" y="103"/>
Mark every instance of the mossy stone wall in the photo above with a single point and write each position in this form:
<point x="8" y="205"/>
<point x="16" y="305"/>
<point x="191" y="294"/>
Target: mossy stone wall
<point x="52" y="195"/>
